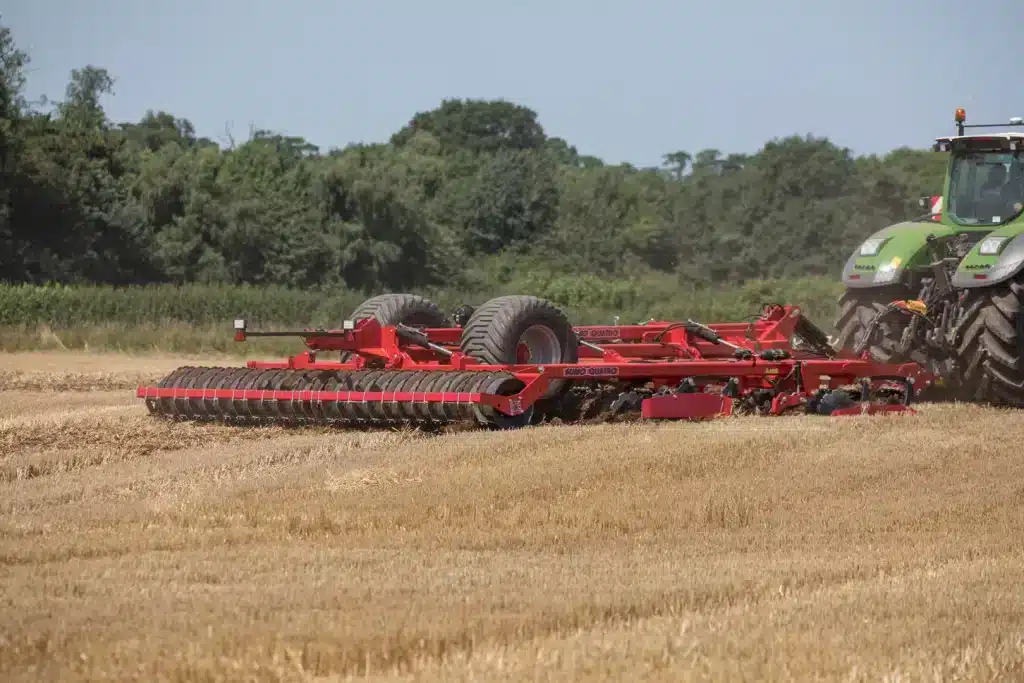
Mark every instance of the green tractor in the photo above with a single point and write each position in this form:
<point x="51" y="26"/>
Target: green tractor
<point x="947" y="291"/>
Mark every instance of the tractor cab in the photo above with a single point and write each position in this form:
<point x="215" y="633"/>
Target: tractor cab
<point x="985" y="186"/>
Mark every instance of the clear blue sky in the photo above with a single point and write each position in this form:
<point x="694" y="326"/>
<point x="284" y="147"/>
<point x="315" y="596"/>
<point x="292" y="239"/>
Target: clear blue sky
<point x="625" y="81"/>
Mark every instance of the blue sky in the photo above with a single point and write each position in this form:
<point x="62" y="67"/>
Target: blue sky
<point x="625" y="81"/>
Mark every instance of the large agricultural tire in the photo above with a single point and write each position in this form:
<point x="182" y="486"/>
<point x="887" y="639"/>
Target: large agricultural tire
<point x="499" y="329"/>
<point x="990" y="352"/>
<point x="392" y="309"/>
<point x="857" y="307"/>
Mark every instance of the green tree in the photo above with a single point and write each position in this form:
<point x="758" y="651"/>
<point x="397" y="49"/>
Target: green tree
<point x="477" y="126"/>
<point x="81" y="106"/>
<point x="470" y="192"/>
<point x="676" y="163"/>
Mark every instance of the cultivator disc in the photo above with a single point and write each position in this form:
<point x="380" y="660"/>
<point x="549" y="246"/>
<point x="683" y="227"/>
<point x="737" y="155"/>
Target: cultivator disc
<point x="351" y="398"/>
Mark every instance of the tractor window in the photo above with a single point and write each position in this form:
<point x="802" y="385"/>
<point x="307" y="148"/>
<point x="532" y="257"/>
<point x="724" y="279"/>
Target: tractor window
<point x="986" y="188"/>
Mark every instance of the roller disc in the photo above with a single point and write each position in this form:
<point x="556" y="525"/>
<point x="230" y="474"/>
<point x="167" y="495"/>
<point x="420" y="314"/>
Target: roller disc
<point x="289" y="408"/>
<point x="501" y="384"/>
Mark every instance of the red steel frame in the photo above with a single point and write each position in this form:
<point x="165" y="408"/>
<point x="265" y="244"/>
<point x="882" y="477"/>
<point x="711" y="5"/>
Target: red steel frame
<point x="661" y="352"/>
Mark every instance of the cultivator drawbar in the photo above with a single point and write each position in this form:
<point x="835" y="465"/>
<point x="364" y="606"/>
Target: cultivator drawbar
<point x="516" y="360"/>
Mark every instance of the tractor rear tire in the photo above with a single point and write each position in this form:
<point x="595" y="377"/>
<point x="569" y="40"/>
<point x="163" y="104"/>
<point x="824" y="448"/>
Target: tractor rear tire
<point x="991" y="344"/>
<point x="856" y="309"/>
<point x="497" y="329"/>
<point x="392" y="309"/>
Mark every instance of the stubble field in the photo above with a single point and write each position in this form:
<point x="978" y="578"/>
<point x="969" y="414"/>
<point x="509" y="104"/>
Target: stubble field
<point x="745" y="549"/>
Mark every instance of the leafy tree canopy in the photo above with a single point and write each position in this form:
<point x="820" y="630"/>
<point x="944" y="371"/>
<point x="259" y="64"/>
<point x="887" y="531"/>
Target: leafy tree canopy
<point x="468" y="192"/>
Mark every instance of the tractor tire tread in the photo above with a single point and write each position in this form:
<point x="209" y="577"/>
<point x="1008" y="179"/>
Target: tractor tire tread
<point x="858" y="307"/>
<point x="991" y="344"/>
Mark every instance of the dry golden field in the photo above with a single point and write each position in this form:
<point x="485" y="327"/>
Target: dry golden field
<point x="804" y="548"/>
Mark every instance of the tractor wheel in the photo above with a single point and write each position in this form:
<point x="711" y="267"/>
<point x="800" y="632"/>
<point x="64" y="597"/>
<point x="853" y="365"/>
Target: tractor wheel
<point x="991" y="344"/>
<point x="856" y="310"/>
<point x="392" y="309"/>
<point x="512" y="330"/>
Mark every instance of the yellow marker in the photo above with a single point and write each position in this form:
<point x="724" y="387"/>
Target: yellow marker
<point x="916" y="306"/>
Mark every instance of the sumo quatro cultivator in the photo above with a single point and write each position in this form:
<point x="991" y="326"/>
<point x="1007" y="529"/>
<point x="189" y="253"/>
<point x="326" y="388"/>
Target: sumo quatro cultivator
<point x="516" y="360"/>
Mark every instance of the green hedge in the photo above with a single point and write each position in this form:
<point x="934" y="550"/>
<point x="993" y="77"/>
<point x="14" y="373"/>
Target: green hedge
<point x="64" y="306"/>
<point x="198" y="317"/>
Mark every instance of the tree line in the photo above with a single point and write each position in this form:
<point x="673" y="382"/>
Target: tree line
<point x="469" y="194"/>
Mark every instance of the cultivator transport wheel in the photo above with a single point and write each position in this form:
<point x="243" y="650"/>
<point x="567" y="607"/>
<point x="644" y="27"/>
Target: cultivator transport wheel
<point x="394" y="309"/>
<point x="511" y="330"/>
<point x="991" y="344"/>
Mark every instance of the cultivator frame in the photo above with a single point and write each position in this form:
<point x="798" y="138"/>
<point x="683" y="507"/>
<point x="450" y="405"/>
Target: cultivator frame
<point x="395" y="374"/>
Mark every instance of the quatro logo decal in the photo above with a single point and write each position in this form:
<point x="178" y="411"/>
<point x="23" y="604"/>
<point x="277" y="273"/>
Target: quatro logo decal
<point x="601" y="332"/>
<point x="600" y="371"/>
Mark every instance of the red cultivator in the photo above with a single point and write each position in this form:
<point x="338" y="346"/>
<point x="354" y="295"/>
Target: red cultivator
<point x="516" y="360"/>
